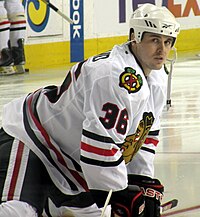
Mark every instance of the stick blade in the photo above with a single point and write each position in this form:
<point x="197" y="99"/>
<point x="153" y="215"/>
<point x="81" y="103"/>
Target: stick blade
<point x="169" y="205"/>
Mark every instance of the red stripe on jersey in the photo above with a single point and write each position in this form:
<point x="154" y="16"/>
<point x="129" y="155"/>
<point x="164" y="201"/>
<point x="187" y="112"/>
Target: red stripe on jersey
<point x="16" y="171"/>
<point x="18" y="22"/>
<point x="151" y="141"/>
<point x="4" y="23"/>
<point x="60" y="158"/>
<point x="99" y="151"/>
<point x="44" y="134"/>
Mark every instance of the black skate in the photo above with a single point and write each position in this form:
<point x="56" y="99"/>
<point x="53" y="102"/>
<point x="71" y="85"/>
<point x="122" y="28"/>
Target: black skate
<point x="19" y="56"/>
<point x="6" y="62"/>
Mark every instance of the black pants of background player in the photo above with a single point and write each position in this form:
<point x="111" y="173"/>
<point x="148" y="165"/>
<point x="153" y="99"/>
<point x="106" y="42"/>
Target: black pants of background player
<point x="36" y="184"/>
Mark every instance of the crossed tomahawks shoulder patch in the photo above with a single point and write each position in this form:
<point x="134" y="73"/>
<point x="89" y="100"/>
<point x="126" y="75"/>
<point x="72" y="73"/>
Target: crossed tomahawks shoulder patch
<point x="131" y="81"/>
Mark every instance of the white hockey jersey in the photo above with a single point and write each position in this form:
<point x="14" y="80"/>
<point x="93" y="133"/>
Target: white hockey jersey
<point x="87" y="131"/>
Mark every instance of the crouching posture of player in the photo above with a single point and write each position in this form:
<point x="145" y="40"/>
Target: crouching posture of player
<point x="12" y="34"/>
<point x="97" y="132"/>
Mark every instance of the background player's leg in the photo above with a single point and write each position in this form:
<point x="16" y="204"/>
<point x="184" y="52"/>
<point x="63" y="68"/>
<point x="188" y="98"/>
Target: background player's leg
<point x="6" y="60"/>
<point x="16" y="16"/>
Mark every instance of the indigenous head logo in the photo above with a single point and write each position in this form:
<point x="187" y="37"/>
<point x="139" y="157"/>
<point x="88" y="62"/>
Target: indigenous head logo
<point x="130" y="80"/>
<point x="133" y="142"/>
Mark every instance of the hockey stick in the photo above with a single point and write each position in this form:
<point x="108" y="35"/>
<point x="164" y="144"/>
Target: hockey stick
<point x="106" y="203"/>
<point x="58" y="11"/>
<point x="168" y="205"/>
<point x="172" y="61"/>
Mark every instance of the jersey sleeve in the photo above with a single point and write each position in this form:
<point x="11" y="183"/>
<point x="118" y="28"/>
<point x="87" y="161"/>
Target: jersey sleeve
<point x="143" y="162"/>
<point x="109" y="110"/>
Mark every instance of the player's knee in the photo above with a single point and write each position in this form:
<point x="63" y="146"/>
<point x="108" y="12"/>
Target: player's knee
<point x="14" y="6"/>
<point x="17" y="209"/>
<point x="17" y="17"/>
<point x="15" y="10"/>
<point x="4" y="20"/>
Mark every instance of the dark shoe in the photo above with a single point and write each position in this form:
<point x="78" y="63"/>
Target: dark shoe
<point x="18" y="53"/>
<point x="6" y="57"/>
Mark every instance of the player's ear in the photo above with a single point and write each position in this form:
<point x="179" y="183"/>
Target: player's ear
<point x="132" y="35"/>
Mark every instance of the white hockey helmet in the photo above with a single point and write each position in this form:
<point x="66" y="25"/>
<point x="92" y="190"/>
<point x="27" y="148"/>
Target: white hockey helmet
<point x="154" y="19"/>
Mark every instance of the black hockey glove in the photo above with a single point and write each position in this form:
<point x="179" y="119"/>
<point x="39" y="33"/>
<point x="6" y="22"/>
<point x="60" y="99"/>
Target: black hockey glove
<point x="129" y="203"/>
<point x="125" y="203"/>
<point x="152" y="190"/>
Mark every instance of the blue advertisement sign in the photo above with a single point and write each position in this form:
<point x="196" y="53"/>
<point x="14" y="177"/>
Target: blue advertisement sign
<point x="77" y="31"/>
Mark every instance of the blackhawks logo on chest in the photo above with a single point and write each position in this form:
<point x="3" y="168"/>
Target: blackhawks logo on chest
<point x="131" y="81"/>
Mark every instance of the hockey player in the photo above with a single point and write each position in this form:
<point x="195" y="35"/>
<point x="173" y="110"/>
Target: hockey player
<point x="12" y="34"/>
<point x="96" y="132"/>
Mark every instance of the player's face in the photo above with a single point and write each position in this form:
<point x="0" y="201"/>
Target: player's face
<point x="152" y="51"/>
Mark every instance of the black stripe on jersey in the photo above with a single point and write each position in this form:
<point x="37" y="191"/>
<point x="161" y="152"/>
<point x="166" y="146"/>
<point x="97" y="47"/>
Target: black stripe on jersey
<point x="34" y="108"/>
<point x="148" y="150"/>
<point x="154" y="133"/>
<point x="101" y="163"/>
<point x="97" y="137"/>
<point x="75" y="164"/>
<point x="78" y="70"/>
<point x="43" y="149"/>
<point x="5" y="29"/>
<point x="16" y="29"/>
<point x="66" y="83"/>
<point x="52" y="91"/>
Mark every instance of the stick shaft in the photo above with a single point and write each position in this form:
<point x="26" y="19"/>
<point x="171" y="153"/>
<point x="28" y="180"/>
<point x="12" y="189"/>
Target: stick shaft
<point x="53" y="7"/>
<point x="172" y="61"/>
<point x="106" y="203"/>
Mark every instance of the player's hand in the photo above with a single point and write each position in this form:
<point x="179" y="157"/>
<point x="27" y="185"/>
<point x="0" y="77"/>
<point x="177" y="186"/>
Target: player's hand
<point x="128" y="203"/>
<point x="152" y="190"/>
<point x="125" y="203"/>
